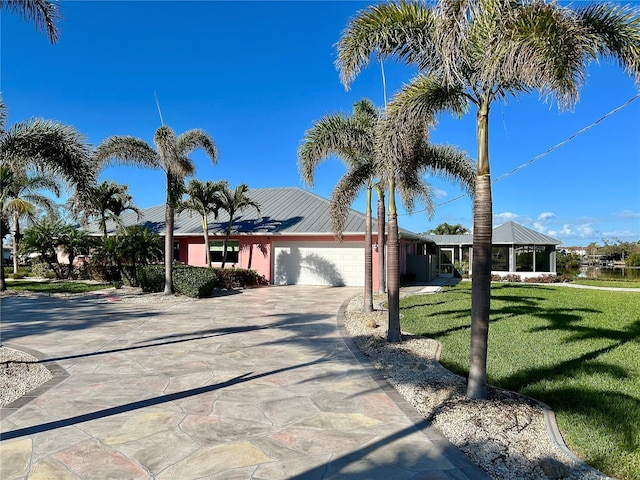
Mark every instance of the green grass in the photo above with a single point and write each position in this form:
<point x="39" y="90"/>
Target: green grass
<point x="55" y="286"/>
<point x="618" y="283"/>
<point x="576" y="350"/>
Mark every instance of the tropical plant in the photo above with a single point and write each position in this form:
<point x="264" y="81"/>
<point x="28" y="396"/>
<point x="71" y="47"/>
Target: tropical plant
<point x="446" y="229"/>
<point x="352" y="139"/>
<point x="46" y="238"/>
<point x="44" y="14"/>
<point x="475" y="52"/>
<point x="21" y="197"/>
<point x="202" y="198"/>
<point x="170" y="156"/>
<point x="406" y="156"/>
<point x="44" y="148"/>
<point x="107" y="201"/>
<point x="233" y="202"/>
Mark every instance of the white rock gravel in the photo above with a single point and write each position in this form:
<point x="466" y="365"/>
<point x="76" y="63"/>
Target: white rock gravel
<point x="19" y="373"/>
<point x="506" y="435"/>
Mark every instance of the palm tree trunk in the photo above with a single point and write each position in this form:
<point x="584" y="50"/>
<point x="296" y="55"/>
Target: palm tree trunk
<point x="17" y="236"/>
<point x="168" y="248"/>
<point x="226" y="241"/>
<point x="393" y="266"/>
<point x="3" y="283"/>
<point x="368" y="258"/>
<point x="382" y="268"/>
<point x="481" y="271"/>
<point x="207" y="252"/>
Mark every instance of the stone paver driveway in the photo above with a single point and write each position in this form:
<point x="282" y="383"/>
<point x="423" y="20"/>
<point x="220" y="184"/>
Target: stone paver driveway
<point x="255" y="385"/>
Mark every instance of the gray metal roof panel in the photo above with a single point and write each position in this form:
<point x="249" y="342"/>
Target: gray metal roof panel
<point x="285" y="210"/>
<point x="509" y="233"/>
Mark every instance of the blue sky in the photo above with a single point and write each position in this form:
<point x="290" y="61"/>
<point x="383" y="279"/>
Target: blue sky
<point x="256" y="75"/>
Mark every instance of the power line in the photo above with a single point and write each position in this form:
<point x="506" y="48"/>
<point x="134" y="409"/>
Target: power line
<point x="543" y="154"/>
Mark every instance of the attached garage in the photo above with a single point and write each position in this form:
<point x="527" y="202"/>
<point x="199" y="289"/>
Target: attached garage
<point x="319" y="263"/>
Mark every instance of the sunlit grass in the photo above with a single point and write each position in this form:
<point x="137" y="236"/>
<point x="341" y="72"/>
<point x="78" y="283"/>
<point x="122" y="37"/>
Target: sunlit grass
<point x="576" y="350"/>
<point x="617" y="283"/>
<point x="55" y="286"/>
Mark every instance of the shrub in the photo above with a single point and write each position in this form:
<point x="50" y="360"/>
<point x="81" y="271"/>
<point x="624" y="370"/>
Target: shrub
<point x="104" y="273"/>
<point x="512" y="278"/>
<point x="238" y="277"/>
<point x="151" y="278"/>
<point x="633" y="260"/>
<point x="195" y="282"/>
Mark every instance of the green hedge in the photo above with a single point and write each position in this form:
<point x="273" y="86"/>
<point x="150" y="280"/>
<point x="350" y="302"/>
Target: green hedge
<point x="195" y="282"/>
<point x="151" y="278"/>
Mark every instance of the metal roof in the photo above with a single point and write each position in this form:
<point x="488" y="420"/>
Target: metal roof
<point x="510" y="233"/>
<point x="283" y="211"/>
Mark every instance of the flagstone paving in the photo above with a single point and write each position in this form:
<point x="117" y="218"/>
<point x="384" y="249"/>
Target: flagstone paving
<point x="258" y="385"/>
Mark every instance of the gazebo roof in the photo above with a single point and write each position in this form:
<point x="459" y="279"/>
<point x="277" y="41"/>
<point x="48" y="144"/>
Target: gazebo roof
<point x="510" y="233"/>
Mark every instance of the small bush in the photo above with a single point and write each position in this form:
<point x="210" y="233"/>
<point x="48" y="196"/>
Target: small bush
<point x="512" y="278"/>
<point x="151" y="278"/>
<point x="104" y="273"/>
<point x="633" y="260"/>
<point x="237" y="278"/>
<point x="195" y="282"/>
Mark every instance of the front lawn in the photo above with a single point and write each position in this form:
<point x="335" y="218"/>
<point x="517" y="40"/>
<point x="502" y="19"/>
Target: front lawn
<point x="576" y="350"/>
<point x="55" y="286"/>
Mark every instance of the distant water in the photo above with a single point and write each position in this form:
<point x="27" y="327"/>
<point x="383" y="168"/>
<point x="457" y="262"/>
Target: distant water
<point x="601" y="273"/>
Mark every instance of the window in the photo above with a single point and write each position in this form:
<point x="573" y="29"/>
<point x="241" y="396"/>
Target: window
<point x="176" y="251"/>
<point x="524" y="258"/>
<point x="543" y="258"/>
<point x="216" y="247"/>
<point x="500" y="259"/>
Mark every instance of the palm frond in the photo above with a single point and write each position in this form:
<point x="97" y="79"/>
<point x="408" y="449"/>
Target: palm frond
<point x="400" y="30"/>
<point x="44" y="14"/>
<point x="194" y="139"/>
<point x="50" y="148"/>
<point x="344" y="194"/>
<point x="126" y="150"/>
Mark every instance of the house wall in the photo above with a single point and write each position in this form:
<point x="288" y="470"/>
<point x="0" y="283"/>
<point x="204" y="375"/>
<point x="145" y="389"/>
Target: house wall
<point x="255" y="251"/>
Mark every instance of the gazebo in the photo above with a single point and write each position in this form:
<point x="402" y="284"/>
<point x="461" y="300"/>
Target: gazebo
<point x="516" y="250"/>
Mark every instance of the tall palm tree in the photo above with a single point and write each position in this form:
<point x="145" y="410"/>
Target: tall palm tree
<point x="405" y="155"/>
<point x="170" y="156"/>
<point x="475" y="52"/>
<point x="233" y="202"/>
<point x="352" y="139"/>
<point x="47" y="148"/>
<point x="44" y="14"/>
<point x="106" y="201"/>
<point x="22" y="196"/>
<point x="202" y="198"/>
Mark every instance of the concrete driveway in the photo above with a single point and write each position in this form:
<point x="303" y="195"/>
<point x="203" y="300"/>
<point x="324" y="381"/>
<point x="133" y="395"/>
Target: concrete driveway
<point x="260" y="384"/>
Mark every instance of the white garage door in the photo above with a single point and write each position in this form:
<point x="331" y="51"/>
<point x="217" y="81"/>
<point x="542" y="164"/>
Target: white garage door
<point x="319" y="263"/>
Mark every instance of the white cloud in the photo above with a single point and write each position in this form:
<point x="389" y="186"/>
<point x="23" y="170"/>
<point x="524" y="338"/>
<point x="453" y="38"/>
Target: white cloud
<point x="439" y="193"/>
<point x="585" y="230"/>
<point x="628" y="214"/>
<point x="544" y="216"/>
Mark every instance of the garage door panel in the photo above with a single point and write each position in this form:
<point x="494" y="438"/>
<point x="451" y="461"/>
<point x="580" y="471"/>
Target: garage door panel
<point x="319" y="264"/>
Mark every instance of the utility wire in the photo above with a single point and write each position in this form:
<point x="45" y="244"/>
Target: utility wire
<point x="543" y="154"/>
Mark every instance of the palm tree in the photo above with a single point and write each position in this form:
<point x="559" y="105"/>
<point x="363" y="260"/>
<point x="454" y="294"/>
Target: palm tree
<point x="202" y="199"/>
<point x="446" y="229"/>
<point x="170" y="156"/>
<point x="107" y="201"/>
<point x="352" y="139"/>
<point x="43" y="13"/>
<point x="233" y="202"/>
<point x="406" y="156"/>
<point x="475" y="52"/>
<point x="46" y="148"/>
<point x="21" y="197"/>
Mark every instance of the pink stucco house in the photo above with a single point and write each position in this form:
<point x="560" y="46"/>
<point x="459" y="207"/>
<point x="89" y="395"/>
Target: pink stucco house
<point x="289" y="242"/>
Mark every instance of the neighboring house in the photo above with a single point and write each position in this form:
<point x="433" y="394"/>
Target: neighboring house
<point x="289" y="242"/>
<point x="516" y="250"/>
